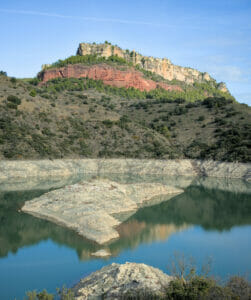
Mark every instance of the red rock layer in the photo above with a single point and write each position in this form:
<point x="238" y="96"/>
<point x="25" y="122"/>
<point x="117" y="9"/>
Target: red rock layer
<point x="109" y="75"/>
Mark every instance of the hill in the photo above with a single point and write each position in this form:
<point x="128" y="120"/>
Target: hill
<point x="66" y="117"/>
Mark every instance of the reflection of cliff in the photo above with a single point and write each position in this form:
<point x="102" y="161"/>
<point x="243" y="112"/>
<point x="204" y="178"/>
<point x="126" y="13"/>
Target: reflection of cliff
<point x="148" y="232"/>
<point x="133" y="233"/>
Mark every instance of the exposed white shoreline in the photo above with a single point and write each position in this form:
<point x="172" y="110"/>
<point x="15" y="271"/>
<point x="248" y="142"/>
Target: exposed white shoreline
<point x="10" y="170"/>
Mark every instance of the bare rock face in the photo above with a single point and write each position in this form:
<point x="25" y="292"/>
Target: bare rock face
<point x="109" y="75"/>
<point x="115" y="281"/>
<point x="90" y="208"/>
<point x="14" y="171"/>
<point x="162" y="67"/>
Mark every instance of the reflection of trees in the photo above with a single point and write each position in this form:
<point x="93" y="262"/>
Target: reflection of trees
<point x="233" y="185"/>
<point x="210" y="208"/>
<point x="18" y="229"/>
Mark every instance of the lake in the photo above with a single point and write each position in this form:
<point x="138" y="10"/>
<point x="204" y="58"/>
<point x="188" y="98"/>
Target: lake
<point x="210" y="220"/>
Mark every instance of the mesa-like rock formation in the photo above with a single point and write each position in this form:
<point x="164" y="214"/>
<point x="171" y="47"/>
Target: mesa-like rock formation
<point x="109" y="75"/>
<point x="160" y="66"/>
<point x="95" y="208"/>
<point x="118" y="281"/>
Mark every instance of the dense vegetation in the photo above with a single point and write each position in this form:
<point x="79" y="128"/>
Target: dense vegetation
<point x="190" y="94"/>
<point x="85" y="118"/>
<point x="89" y="60"/>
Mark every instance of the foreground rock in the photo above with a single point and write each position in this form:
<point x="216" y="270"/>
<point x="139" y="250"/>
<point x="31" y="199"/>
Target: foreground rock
<point x="115" y="281"/>
<point x="90" y="208"/>
<point x="19" y="170"/>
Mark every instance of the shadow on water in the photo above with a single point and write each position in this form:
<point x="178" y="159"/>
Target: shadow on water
<point x="212" y="204"/>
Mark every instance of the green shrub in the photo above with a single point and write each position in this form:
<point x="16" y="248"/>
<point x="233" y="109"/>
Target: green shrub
<point x="33" y="93"/>
<point x="14" y="99"/>
<point x="34" y="81"/>
<point x="11" y="105"/>
<point x="88" y="59"/>
<point x="201" y="118"/>
<point x="63" y="293"/>
<point x="108" y="123"/>
<point x="2" y="73"/>
<point x="91" y="110"/>
<point x="13" y="80"/>
<point x="82" y="96"/>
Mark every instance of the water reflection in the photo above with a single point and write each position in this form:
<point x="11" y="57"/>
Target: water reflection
<point x="213" y="204"/>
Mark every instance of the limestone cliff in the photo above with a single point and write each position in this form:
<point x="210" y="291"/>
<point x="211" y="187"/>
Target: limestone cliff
<point x="160" y="66"/>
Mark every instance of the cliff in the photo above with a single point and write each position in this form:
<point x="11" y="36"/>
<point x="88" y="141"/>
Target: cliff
<point x="160" y="66"/>
<point x="128" y="77"/>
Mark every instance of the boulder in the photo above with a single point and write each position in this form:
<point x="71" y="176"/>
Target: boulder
<point x="116" y="281"/>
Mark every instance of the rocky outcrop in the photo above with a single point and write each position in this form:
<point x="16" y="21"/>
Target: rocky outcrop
<point x="90" y="208"/>
<point x="109" y="75"/>
<point x="20" y="170"/>
<point x="117" y="281"/>
<point x="162" y="67"/>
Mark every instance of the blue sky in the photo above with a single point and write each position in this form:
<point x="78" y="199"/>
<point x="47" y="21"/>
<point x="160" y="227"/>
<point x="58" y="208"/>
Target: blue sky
<point x="209" y="35"/>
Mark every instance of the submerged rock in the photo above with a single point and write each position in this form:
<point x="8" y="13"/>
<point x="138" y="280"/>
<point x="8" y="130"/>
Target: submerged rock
<point x="115" y="281"/>
<point x="102" y="253"/>
<point x="90" y="208"/>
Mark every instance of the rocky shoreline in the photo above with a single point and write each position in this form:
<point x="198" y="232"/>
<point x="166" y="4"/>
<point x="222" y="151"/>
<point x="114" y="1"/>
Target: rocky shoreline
<point x="15" y="170"/>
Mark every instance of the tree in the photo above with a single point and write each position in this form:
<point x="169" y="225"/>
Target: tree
<point x="2" y="73"/>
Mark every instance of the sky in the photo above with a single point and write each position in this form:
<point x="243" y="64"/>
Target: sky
<point x="212" y="36"/>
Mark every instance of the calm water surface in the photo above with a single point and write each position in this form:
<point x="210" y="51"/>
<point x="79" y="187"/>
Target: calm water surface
<point x="212" y="218"/>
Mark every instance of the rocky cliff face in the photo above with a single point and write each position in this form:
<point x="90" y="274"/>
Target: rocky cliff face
<point x="109" y="75"/>
<point x="160" y="66"/>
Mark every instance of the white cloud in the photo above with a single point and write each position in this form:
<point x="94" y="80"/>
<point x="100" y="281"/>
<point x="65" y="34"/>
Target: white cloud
<point x="111" y="20"/>
<point x="94" y="19"/>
